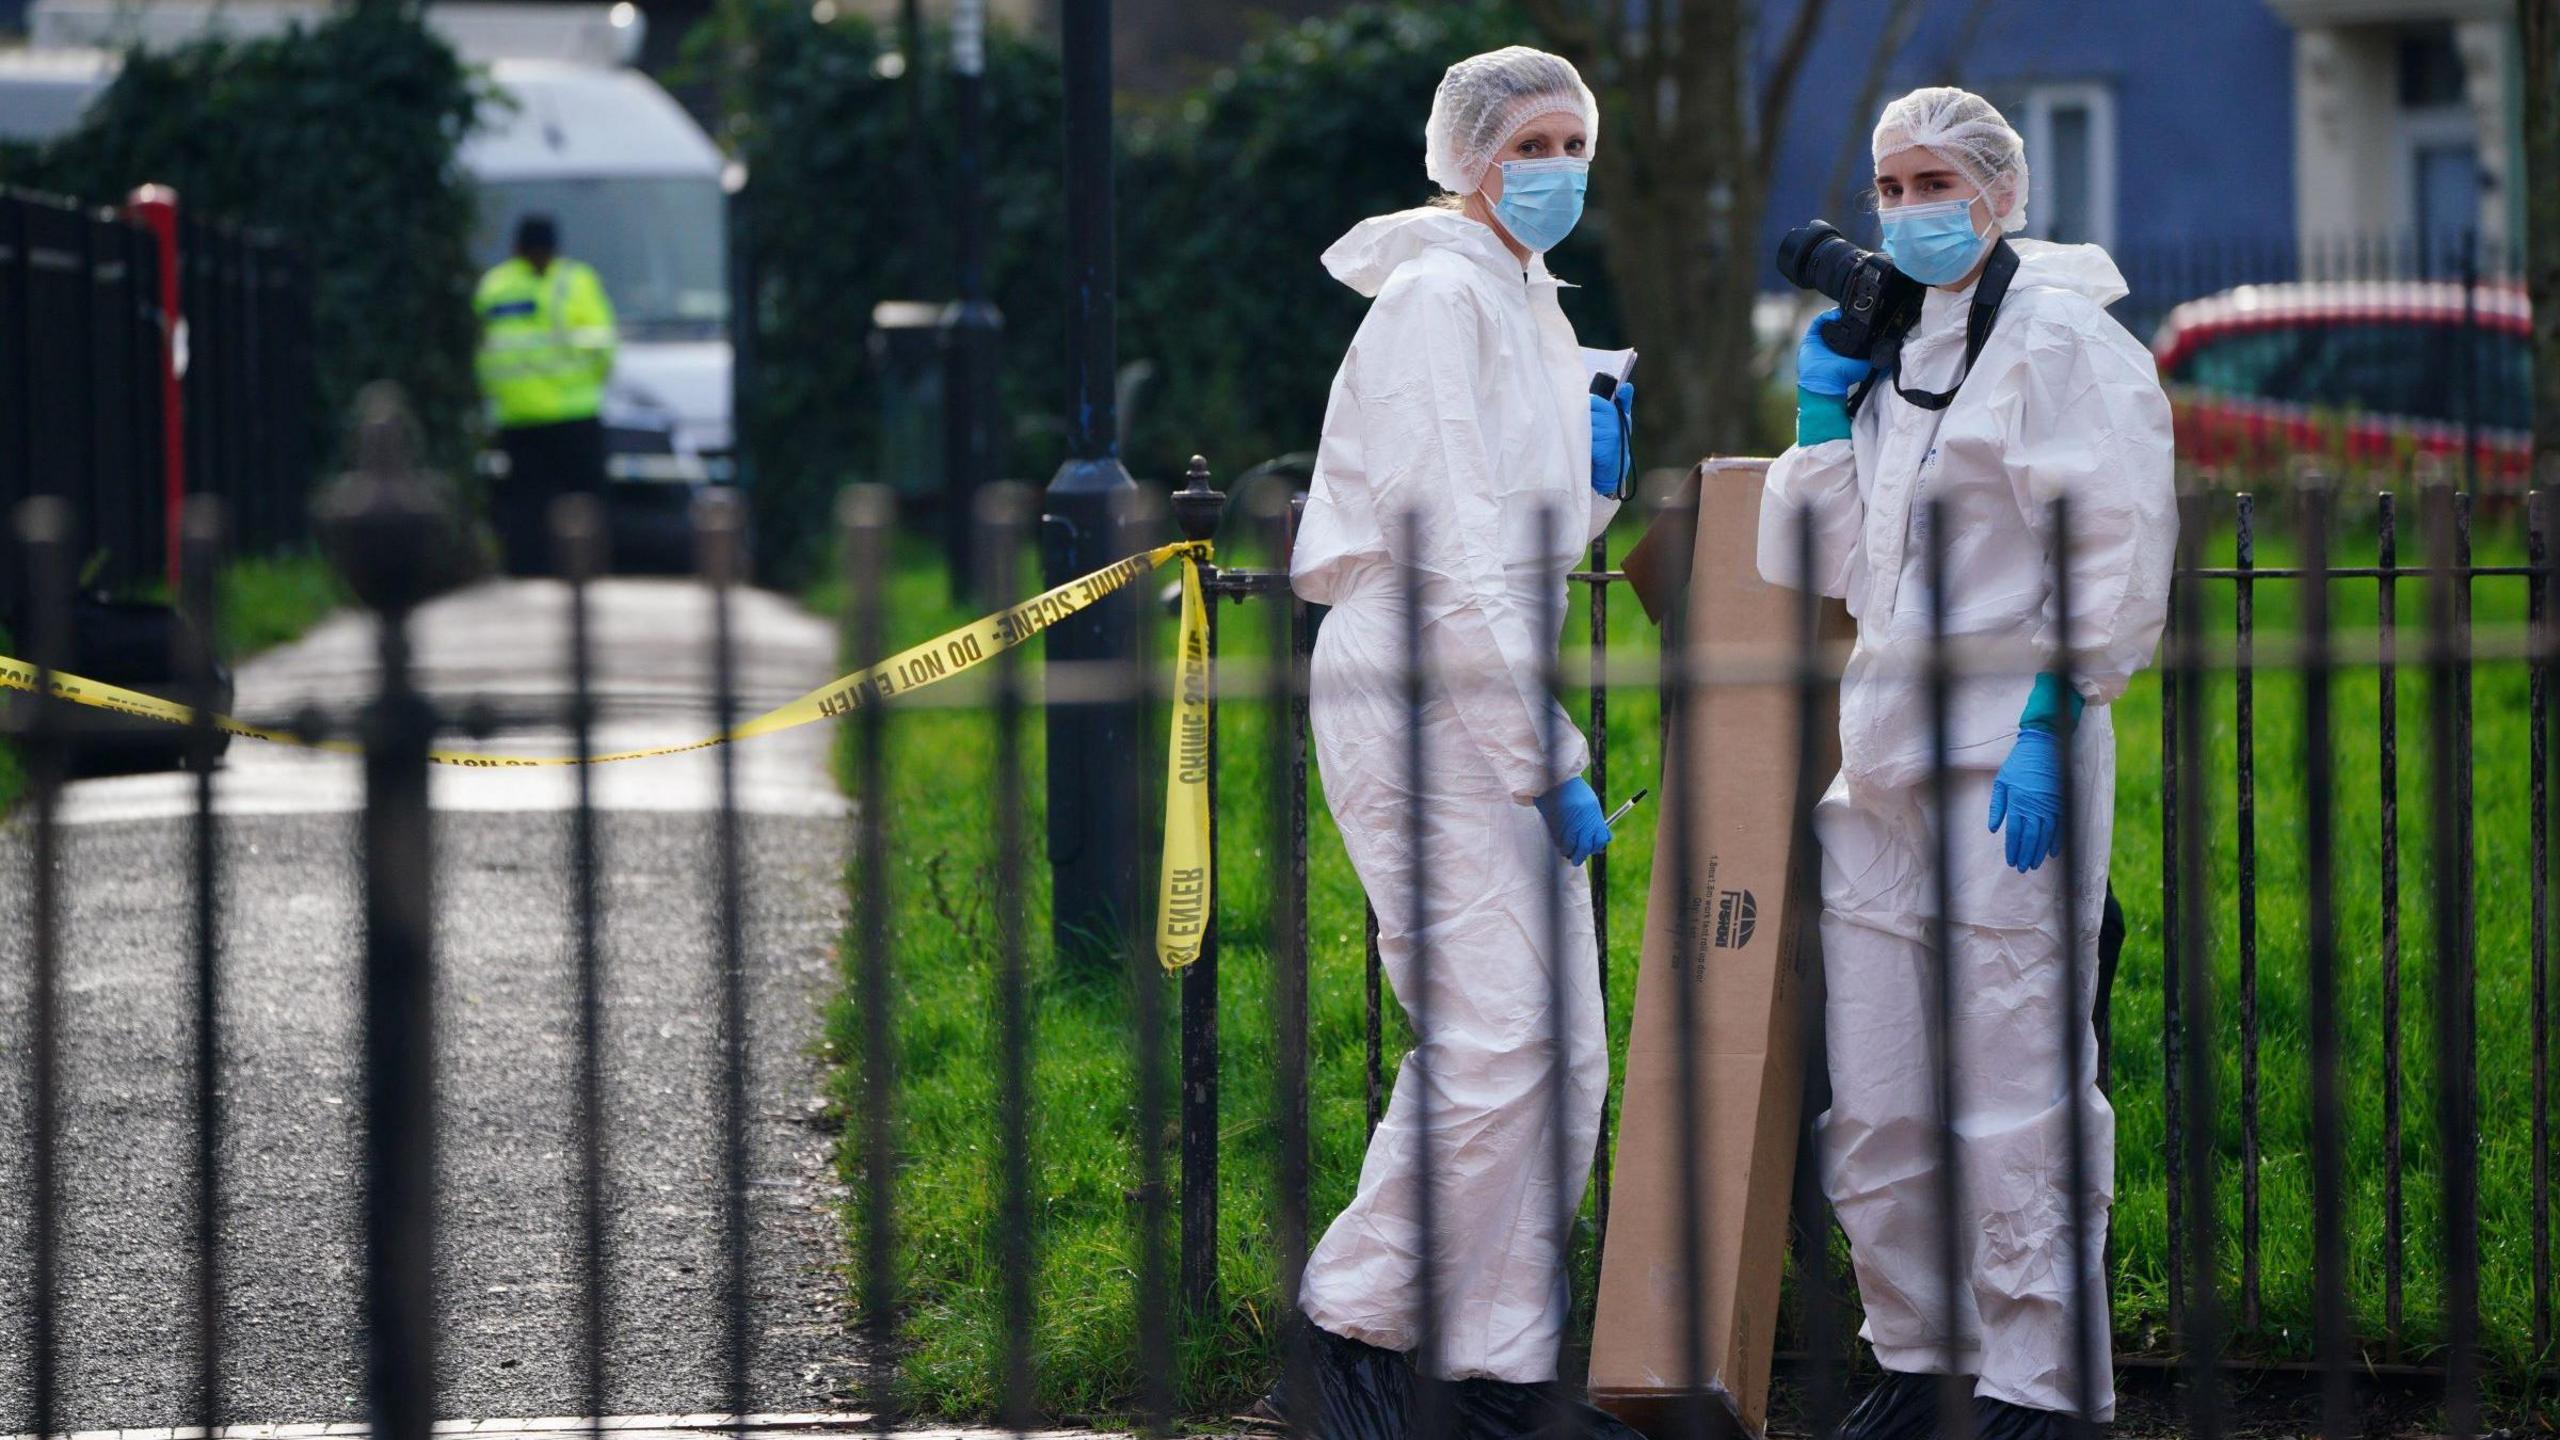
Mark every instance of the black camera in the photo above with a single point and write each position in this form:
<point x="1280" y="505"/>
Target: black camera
<point x="1878" y="304"/>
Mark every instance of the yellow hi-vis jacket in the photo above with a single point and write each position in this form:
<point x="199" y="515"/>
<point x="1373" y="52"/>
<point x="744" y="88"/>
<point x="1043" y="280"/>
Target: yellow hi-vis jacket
<point x="546" y="342"/>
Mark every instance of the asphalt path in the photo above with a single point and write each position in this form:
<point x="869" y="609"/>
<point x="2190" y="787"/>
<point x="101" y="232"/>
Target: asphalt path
<point x="290" y="1083"/>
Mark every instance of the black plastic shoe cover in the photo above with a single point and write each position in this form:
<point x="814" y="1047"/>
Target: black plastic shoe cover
<point x="1362" y="1392"/>
<point x="1505" y="1410"/>
<point x="1902" y="1406"/>
<point x="2000" y="1420"/>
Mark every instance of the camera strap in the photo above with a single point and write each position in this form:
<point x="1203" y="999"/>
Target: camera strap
<point x="1988" y="292"/>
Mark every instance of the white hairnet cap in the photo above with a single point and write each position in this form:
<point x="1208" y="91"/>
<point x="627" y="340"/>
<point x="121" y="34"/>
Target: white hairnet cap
<point x="1970" y="134"/>
<point x="1485" y="97"/>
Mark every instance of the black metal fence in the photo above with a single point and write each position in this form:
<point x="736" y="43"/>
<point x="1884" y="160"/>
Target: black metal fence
<point x="386" y="534"/>
<point x="80" y="376"/>
<point x="86" y="344"/>
<point x="252" y="395"/>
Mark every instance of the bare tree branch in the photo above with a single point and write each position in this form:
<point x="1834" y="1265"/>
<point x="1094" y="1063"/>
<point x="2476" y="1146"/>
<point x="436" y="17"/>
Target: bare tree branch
<point x="1890" y="38"/>
<point x="1778" y="89"/>
<point x="1657" y="60"/>
<point x="1966" y="29"/>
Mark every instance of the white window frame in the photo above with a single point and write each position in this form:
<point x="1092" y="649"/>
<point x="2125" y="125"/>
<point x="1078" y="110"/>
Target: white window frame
<point x="2037" y="117"/>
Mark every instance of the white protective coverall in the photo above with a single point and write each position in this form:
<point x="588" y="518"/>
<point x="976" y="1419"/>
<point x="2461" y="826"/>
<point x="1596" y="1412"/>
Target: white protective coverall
<point x="2062" y="403"/>
<point x="1463" y="403"/>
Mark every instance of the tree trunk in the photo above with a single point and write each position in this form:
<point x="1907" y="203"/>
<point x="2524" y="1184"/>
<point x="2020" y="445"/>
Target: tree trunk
<point x="2538" y="25"/>
<point x="1682" y="188"/>
<point x="1688" y="287"/>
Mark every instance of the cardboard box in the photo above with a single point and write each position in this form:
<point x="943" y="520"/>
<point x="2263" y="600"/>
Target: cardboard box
<point x="1744" y="917"/>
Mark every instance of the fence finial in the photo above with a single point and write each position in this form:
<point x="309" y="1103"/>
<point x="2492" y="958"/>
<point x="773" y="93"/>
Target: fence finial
<point x="392" y="529"/>
<point x="1196" y="507"/>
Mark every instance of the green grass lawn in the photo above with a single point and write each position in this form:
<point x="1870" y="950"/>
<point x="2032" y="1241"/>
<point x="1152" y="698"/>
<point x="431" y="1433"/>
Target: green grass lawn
<point x="263" y="603"/>
<point x="1084" y="1156"/>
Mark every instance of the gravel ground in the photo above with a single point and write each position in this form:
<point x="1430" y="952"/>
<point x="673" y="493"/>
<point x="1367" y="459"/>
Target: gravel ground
<point x="507" y="1273"/>
<point x="507" y="1262"/>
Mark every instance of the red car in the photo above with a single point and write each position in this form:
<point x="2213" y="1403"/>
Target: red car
<point x="2358" y="371"/>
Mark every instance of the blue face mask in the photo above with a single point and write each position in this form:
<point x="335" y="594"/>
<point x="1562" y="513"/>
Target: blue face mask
<point x="1542" y="199"/>
<point x="1934" y="243"/>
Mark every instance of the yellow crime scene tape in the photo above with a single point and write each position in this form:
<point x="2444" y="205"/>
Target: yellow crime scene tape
<point x="1182" y="909"/>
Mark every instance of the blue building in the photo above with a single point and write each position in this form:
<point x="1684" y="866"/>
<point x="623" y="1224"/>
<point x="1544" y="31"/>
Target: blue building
<point x="2204" y="142"/>
<point x="2149" y="123"/>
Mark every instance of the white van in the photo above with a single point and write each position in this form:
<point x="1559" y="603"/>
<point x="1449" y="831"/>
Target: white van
<point x="638" y="189"/>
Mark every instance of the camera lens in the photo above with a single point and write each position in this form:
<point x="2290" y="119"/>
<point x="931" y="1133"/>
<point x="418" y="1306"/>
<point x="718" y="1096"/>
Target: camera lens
<point x="1816" y="257"/>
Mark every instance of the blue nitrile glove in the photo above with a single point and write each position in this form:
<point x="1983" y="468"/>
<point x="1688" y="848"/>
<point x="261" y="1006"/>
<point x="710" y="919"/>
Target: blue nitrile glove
<point x="1612" y="422"/>
<point x="2027" y="794"/>
<point x="1824" y="378"/>
<point x="1823" y="370"/>
<point x="1574" y="820"/>
<point x="2028" y="791"/>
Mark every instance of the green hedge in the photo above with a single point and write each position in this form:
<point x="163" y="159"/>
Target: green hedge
<point x="832" y="232"/>
<point x="1226" y="197"/>
<point x="343" y="138"/>
<point x="1232" y="192"/>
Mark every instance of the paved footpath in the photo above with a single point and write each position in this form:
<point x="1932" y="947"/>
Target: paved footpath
<point x="507" y="1263"/>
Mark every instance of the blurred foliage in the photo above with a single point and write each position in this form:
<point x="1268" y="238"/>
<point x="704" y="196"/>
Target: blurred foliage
<point x="817" y="114"/>
<point x="342" y="138"/>
<point x="1231" y="193"/>
<point x="1227" y="195"/>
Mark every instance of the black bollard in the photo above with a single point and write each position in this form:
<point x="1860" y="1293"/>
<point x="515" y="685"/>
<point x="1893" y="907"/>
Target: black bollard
<point x="1093" y="849"/>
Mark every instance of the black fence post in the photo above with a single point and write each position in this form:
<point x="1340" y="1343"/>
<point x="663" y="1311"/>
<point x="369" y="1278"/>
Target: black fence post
<point x="2538" y="705"/>
<point x="2328" y="1127"/>
<point x="1824" y="1373"/>
<point x="2245" y="821"/>
<point x="1285" y="781"/>
<point x="2200" y="1335"/>
<point x="2387" y="741"/>
<point x="396" y="546"/>
<point x="1197" y="509"/>
<point x="866" y="517"/>
<point x="1598" y="737"/>
<point x="2457" y="1113"/>
<point x="579" y="530"/>
<point x="44" y="529"/>
<point x="202" y="552"/>
<point x="1004" y="515"/>
<point x="1133" y="677"/>
<point x="1433" y="1415"/>
<point x="719" y="537"/>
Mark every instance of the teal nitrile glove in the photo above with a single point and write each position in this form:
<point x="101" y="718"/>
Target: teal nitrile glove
<point x="1820" y="418"/>
<point x="1613" y="422"/>
<point x="2045" y="702"/>
<point x="1574" y="820"/>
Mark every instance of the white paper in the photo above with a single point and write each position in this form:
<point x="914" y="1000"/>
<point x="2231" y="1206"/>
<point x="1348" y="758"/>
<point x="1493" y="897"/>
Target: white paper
<point x="1616" y="364"/>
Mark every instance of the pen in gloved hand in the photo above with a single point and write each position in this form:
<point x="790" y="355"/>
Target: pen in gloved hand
<point x="1621" y="812"/>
